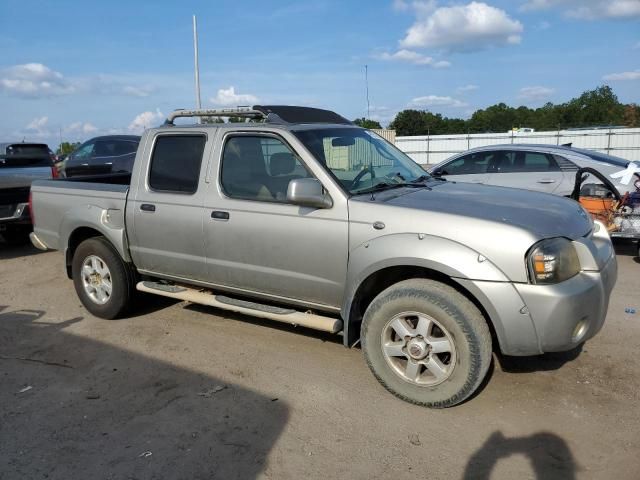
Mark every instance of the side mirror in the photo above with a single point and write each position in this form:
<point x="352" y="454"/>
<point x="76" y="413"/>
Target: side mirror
<point x="308" y="192"/>
<point x="437" y="173"/>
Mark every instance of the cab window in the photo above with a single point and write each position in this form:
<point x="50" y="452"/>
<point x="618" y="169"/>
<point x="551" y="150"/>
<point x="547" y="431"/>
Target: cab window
<point x="259" y="168"/>
<point x="175" y="163"/>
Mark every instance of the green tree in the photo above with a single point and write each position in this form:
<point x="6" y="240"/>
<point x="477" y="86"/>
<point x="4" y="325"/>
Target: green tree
<point x="593" y="108"/>
<point x="211" y="120"/>
<point x="365" y="123"/>
<point x="631" y="116"/>
<point x="65" y="148"/>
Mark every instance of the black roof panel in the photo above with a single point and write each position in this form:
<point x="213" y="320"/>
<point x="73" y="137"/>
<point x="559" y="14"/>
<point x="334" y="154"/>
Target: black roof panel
<point x="293" y="114"/>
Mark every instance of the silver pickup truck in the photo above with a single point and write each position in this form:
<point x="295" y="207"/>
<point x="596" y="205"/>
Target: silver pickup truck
<point x="302" y="217"/>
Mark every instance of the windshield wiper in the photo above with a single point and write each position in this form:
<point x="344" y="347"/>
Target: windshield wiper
<point x="379" y="187"/>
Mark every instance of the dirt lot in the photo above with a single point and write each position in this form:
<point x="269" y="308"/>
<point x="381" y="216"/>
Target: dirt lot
<point x="185" y="392"/>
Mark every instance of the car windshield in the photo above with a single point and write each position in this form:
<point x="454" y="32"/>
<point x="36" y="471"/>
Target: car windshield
<point x="361" y="160"/>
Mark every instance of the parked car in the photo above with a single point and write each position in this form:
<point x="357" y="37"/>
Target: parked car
<point x="543" y="168"/>
<point x="308" y="219"/>
<point x="20" y="164"/>
<point x="103" y="155"/>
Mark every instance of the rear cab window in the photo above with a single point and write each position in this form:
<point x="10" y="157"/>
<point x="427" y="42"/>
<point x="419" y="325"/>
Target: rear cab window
<point x="175" y="163"/>
<point x="25" y="155"/>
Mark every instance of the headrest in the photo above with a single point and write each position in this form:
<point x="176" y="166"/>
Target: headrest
<point x="282" y="163"/>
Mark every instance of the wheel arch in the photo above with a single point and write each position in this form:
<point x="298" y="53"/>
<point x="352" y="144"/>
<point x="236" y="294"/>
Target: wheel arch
<point x="382" y="278"/>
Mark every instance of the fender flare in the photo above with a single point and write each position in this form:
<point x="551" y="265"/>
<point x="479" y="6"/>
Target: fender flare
<point x="440" y="255"/>
<point x="108" y="222"/>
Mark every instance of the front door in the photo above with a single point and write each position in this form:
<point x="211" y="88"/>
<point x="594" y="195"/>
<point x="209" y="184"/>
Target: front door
<point x="257" y="242"/>
<point x="470" y="168"/>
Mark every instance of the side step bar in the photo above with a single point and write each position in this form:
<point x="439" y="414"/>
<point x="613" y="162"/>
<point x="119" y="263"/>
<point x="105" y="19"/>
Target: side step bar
<point x="285" y="315"/>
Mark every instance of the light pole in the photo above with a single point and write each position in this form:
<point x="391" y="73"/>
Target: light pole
<point x="197" y="68"/>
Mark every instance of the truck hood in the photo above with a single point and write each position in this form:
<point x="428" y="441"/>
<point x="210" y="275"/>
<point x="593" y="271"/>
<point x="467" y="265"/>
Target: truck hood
<point x="542" y="214"/>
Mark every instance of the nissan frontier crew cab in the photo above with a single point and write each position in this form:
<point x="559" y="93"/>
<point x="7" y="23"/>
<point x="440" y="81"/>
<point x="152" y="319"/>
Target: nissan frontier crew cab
<point x="301" y="217"/>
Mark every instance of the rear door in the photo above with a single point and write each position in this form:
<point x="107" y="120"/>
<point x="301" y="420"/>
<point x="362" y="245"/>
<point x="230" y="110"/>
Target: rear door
<point x="166" y="206"/>
<point x="470" y="168"/>
<point x="528" y="170"/>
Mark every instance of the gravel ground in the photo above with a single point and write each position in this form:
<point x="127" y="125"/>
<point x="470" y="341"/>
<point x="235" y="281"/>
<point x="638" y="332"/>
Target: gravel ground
<point x="185" y="392"/>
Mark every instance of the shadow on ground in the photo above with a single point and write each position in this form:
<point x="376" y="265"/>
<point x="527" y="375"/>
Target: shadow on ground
<point x="627" y="248"/>
<point x="538" y="363"/>
<point x="8" y="252"/>
<point x="96" y="411"/>
<point x="549" y="455"/>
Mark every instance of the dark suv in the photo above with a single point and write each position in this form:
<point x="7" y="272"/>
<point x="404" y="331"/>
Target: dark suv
<point x="103" y="155"/>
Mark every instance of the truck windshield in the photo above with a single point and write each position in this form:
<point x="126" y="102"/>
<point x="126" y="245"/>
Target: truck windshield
<point x="361" y="160"/>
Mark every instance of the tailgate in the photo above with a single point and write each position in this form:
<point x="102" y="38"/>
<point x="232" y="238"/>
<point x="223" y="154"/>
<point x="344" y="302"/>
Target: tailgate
<point x="22" y="163"/>
<point x="17" y="178"/>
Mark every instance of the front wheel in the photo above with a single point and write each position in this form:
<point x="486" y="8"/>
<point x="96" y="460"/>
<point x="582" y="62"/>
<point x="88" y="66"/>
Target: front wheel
<point x="426" y="343"/>
<point x="103" y="281"/>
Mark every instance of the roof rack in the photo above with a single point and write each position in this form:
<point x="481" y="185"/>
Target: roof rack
<point x="246" y="112"/>
<point x="280" y="114"/>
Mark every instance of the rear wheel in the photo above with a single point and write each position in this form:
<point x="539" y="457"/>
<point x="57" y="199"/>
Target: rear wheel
<point x="426" y="343"/>
<point x="103" y="281"/>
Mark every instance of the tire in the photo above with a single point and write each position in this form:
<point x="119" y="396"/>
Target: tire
<point x="16" y="235"/>
<point x="444" y="366"/>
<point x="120" y="278"/>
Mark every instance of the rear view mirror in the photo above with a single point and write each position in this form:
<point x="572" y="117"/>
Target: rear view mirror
<point x="343" y="142"/>
<point x="308" y="192"/>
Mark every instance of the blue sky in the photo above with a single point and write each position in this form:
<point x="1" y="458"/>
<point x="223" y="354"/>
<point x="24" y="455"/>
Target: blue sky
<point x="76" y="69"/>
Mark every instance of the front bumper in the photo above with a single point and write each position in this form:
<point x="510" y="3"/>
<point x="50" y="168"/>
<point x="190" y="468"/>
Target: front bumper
<point x="534" y="319"/>
<point x="566" y="314"/>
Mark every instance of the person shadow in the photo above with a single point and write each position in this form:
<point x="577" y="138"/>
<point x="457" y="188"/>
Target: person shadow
<point x="548" y="454"/>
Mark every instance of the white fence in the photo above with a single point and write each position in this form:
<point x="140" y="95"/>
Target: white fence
<point x="425" y="149"/>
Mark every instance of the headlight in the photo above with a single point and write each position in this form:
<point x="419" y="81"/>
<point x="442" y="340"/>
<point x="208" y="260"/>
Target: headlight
<point x="552" y="261"/>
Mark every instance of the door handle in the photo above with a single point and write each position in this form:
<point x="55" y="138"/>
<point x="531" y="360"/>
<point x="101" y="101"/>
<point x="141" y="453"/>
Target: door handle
<point x="148" y="207"/>
<point x="218" y="215"/>
<point x="546" y="180"/>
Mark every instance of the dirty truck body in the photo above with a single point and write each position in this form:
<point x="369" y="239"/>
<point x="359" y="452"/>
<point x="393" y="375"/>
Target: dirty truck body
<point x="307" y="219"/>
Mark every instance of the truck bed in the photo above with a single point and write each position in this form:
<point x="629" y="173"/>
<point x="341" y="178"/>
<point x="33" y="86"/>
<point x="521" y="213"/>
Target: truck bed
<point x="59" y="206"/>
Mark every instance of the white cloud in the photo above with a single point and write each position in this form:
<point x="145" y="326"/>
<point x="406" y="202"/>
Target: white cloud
<point x="34" y="80"/>
<point x="146" y="120"/>
<point x="437" y="101"/>
<point x="535" y="94"/>
<point x="466" y="88"/>
<point x="416" y="58"/>
<point x="635" y="75"/>
<point x="463" y="28"/>
<point x="135" y="91"/>
<point x="588" y="9"/>
<point x="38" y="123"/>
<point x="229" y="97"/>
<point x="80" y="127"/>
<point x="400" y="5"/>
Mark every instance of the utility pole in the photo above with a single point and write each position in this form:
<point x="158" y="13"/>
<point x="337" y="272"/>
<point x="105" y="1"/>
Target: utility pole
<point x="366" y="81"/>
<point x="197" y="68"/>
